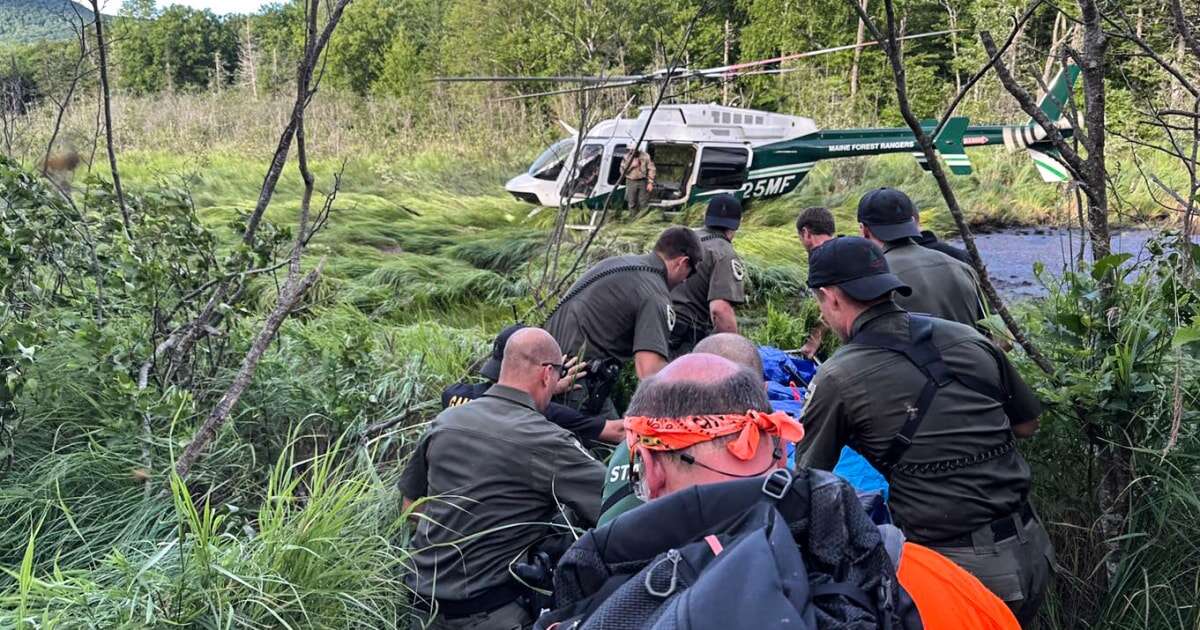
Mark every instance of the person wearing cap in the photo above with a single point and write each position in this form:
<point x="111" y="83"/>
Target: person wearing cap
<point x="587" y="428"/>
<point x="704" y="303"/>
<point x="639" y="178"/>
<point x="620" y="310"/>
<point x="941" y="286"/>
<point x="494" y="473"/>
<point x="937" y="408"/>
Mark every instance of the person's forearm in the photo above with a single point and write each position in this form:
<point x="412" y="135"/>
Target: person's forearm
<point x="1026" y="429"/>
<point x="648" y="364"/>
<point x="723" y="317"/>
<point x="613" y="432"/>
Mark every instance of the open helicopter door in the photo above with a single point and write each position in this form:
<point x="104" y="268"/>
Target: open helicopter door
<point x="721" y="168"/>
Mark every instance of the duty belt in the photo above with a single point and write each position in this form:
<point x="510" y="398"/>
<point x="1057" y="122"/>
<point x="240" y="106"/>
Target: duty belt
<point x="944" y="466"/>
<point x="1002" y="529"/>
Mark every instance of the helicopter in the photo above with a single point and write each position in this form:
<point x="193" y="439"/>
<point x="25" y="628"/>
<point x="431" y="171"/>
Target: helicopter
<point x="701" y="150"/>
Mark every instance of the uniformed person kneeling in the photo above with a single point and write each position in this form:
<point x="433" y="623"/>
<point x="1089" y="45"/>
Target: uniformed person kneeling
<point x="587" y="428"/>
<point x="496" y="472"/>
<point x="620" y="309"/>
<point x="937" y="408"/>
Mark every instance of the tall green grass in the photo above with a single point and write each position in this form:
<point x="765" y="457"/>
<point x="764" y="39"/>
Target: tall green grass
<point x="293" y="518"/>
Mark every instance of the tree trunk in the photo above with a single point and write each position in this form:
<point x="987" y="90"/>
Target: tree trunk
<point x="725" y="61"/>
<point x="1095" y="48"/>
<point x="858" y="42"/>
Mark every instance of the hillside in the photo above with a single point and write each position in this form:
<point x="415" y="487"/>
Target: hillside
<point x="26" y="21"/>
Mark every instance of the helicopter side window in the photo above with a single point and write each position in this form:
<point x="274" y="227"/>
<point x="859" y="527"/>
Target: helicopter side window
<point x="722" y="168"/>
<point x="614" y="165"/>
<point x="549" y="164"/>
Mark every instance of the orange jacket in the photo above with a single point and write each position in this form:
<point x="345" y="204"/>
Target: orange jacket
<point x="948" y="597"/>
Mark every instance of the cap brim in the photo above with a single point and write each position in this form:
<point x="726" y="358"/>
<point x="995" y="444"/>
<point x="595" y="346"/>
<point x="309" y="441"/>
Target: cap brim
<point x="871" y="287"/>
<point x="490" y="369"/>
<point x="888" y="232"/>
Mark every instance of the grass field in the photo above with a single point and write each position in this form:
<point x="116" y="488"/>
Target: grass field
<point x="294" y="521"/>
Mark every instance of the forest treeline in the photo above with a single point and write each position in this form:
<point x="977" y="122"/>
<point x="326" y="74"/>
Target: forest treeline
<point x="391" y="48"/>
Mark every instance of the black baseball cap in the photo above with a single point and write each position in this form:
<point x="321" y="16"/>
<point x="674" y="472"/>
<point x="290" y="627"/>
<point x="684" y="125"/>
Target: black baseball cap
<point x="854" y="265"/>
<point x="889" y="213"/>
<point x="491" y="368"/>
<point x="724" y="211"/>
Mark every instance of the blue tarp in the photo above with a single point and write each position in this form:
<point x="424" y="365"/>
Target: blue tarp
<point x="787" y="381"/>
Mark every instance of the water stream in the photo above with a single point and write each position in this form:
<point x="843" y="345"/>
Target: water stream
<point x="1011" y="254"/>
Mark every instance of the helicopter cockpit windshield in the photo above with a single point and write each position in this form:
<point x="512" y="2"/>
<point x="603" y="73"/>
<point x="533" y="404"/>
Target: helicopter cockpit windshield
<point x="584" y="177"/>
<point x="549" y="164"/>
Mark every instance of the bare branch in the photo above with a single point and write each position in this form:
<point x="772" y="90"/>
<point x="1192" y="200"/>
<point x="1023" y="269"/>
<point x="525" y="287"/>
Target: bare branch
<point x="295" y="285"/>
<point x="896" y="59"/>
<point x="304" y="78"/>
<point x="292" y="292"/>
<point x="1029" y="106"/>
<point x="962" y="93"/>
<point x="106" y="97"/>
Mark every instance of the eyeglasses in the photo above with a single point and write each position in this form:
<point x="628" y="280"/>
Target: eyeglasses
<point x="562" y="368"/>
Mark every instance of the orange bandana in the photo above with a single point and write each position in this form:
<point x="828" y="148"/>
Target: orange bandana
<point x="673" y="434"/>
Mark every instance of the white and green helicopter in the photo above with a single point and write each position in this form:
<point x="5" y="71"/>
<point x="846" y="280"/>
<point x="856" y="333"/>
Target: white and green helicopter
<point x="700" y="150"/>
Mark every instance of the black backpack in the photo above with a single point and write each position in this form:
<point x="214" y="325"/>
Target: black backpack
<point x="754" y="553"/>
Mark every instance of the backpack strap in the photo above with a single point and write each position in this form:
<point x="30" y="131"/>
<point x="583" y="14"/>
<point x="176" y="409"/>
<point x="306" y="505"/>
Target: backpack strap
<point x="922" y="353"/>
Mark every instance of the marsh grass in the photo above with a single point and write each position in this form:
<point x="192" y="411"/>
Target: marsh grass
<point x="293" y="520"/>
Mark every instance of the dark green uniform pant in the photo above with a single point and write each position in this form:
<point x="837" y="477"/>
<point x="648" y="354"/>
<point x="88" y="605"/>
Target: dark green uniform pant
<point x="636" y="195"/>
<point x="509" y="617"/>
<point x="1016" y="569"/>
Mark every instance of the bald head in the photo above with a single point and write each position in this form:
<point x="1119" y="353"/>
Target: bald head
<point x="528" y="356"/>
<point x="694" y="385"/>
<point x="528" y="348"/>
<point x="734" y="347"/>
<point x="699" y="383"/>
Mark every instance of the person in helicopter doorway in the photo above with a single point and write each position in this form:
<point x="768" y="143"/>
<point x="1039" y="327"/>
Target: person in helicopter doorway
<point x="639" y="178"/>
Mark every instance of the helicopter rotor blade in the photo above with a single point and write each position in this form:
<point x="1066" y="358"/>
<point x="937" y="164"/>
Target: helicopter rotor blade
<point x="747" y="68"/>
<point x="527" y="79"/>
<point x="735" y="68"/>
<point x="586" y="88"/>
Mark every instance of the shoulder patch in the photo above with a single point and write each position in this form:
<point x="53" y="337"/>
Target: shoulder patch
<point x="670" y="317"/>
<point x="738" y="269"/>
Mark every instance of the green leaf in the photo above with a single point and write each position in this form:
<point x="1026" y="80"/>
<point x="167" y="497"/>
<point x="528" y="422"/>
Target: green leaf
<point x="1108" y="263"/>
<point x="1186" y="335"/>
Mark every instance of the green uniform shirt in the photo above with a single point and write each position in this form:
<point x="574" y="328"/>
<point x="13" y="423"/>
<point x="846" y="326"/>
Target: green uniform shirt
<point x="941" y="286"/>
<point x="493" y="462"/>
<point x="618" y="497"/>
<point x="719" y="276"/>
<point x="861" y="395"/>
<point x="618" y="307"/>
